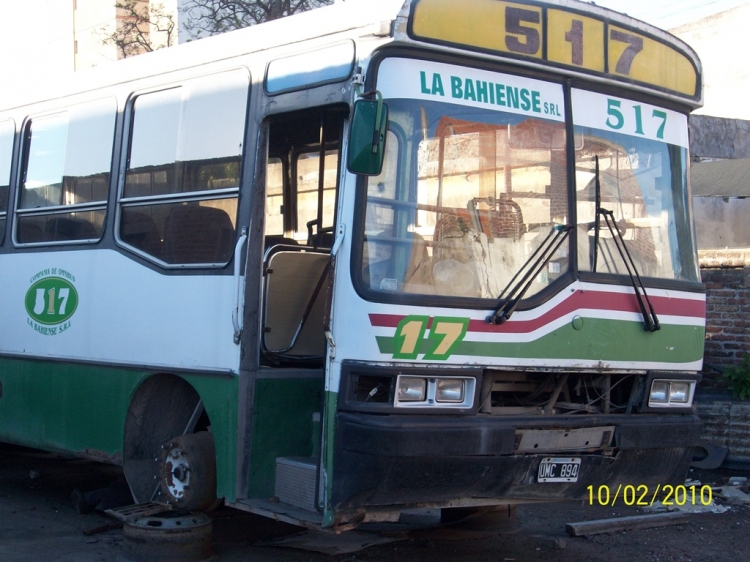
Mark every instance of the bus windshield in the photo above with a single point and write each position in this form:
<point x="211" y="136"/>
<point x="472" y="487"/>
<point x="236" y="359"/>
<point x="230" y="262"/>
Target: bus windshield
<point x="465" y="197"/>
<point x="475" y="180"/>
<point x="642" y="181"/>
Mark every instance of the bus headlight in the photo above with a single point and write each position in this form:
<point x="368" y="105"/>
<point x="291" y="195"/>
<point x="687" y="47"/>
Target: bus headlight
<point x="679" y="392"/>
<point x="450" y="390"/>
<point x="671" y="393"/>
<point x="411" y="389"/>
<point x="659" y="393"/>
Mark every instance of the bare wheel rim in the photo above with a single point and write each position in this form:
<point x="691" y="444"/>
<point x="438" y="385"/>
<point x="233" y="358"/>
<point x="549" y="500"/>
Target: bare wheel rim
<point x="188" y="471"/>
<point x="177" y="473"/>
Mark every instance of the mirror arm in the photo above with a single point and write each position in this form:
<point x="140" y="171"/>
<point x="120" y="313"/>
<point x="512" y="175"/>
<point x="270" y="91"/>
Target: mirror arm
<point x="379" y="129"/>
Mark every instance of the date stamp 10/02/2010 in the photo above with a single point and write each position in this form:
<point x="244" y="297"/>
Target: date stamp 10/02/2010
<point x="644" y="496"/>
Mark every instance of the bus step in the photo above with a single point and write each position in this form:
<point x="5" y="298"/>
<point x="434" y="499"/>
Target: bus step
<point x="296" y="481"/>
<point x="281" y="512"/>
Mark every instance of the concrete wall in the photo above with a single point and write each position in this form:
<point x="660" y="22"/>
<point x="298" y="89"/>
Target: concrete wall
<point x="721" y="222"/>
<point x="718" y="137"/>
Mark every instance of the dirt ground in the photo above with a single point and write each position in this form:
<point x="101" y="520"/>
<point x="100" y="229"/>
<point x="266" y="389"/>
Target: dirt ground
<point x="39" y="522"/>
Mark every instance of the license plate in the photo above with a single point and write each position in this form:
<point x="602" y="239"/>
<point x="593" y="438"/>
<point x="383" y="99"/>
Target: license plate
<point x="559" y="469"/>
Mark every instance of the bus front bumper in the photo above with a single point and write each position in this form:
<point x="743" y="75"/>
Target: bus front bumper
<point x="384" y="461"/>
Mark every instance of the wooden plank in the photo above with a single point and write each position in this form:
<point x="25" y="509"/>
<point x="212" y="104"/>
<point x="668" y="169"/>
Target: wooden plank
<point x="632" y="523"/>
<point x="131" y="512"/>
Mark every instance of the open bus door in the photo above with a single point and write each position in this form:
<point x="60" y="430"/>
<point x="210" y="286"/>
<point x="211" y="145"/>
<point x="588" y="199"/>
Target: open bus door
<point x="301" y="190"/>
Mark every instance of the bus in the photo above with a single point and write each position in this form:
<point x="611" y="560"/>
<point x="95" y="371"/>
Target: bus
<point x="373" y="257"/>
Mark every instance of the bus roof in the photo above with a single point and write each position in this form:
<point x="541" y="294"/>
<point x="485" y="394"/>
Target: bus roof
<point x="543" y="35"/>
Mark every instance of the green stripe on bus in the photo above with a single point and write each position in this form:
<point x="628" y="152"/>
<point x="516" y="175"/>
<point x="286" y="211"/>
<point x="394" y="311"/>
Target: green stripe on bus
<point x="81" y="409"/>
<point x="599" y="340"/>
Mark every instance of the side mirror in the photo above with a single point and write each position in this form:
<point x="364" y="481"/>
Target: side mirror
<point x="367" y="137"/>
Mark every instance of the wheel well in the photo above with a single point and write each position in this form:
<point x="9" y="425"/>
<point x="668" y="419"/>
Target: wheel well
<point x="160" y="409"/>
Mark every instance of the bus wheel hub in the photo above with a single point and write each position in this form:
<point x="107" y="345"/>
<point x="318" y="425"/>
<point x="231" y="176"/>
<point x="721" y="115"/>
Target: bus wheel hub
<point x="187" y="471"/>
<point x="177" y="472"/>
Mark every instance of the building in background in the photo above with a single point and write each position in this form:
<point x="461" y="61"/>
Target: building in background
<point x="95" y="20"/>
<point x="720" y="179"/>
<point x="49" y="38"/>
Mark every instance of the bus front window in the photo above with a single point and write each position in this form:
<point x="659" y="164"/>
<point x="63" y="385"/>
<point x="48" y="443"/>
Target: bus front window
<point x="465" y="197"/>
<point x="642" y="179"/>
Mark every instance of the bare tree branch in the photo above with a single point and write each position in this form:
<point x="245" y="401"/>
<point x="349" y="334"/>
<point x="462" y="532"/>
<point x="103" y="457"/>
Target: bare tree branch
<point x="133" y="33"/>
<point x="212" y="17"/>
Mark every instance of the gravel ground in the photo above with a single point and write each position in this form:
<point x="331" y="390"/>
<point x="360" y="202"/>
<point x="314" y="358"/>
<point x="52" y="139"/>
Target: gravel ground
<point x="39" y="522"/>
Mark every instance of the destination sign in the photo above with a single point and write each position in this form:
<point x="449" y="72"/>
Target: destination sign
<point x="558" y="35"/>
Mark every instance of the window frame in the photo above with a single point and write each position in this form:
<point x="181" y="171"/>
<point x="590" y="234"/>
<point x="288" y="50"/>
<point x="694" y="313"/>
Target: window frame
<point x="4" y="211"/>
<point x="332" y="149"/>
<point x="219" y="194"/>
<point x="61" y="210"/>
<point x="565" y="279"/>
<point x="686" y="242"/>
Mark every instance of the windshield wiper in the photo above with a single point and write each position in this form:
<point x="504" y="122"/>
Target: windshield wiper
<point x="650" y="320"/>
<point x="515" y="290"/>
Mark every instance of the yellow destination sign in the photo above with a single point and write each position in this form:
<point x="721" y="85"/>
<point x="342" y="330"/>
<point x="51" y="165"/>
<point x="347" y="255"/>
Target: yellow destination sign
<point x="555" y="34"/>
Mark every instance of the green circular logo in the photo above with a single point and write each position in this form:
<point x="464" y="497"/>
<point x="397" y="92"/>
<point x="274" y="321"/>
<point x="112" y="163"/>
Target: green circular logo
<point x="51" y="300"/>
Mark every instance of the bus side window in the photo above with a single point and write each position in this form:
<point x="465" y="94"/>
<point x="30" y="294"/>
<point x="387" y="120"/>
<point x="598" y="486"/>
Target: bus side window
<point x="300" y="192"/>
<point x="65" y="174"/>
<point x="274" y="225"/>
<point x="318" y="223"/>
<point x="179" y="201"/>
<point x="7" y="131"/>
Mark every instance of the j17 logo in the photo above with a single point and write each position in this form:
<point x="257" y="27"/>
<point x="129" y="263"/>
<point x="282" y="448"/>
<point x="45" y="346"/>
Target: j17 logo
<point x="444" y="334"/>
<point x="51" y="301"/>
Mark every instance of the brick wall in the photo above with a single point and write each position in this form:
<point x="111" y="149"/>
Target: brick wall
<point x="727" y="280"/>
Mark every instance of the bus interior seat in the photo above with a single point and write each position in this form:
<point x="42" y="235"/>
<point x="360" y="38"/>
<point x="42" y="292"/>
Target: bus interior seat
<point x="417" y="269"/>
<point x="58" y="229"/>
<point x="452" y="223"/>
<point x="278" y="240"/>
<point x="323" y="239"/>
<point x="504" y="220"/>
<point x="293" y="275"/>
<point x="198" y="234"/>
<point x="28" y="232"/>
<point x="139" y="230"/>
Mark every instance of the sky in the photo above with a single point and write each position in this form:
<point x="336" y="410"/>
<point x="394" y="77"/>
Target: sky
<point x="669" y="14"/>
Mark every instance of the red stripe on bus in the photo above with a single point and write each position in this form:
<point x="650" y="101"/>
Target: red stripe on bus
<point x="588" y="300"/>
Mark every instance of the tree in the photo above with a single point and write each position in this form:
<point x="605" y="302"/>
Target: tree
<point x="212" y="17"/>
<point x="136" y="23"/>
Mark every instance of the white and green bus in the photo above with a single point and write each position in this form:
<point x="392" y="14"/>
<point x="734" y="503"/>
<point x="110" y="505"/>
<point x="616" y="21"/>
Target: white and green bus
<point x="404" y="253"/>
